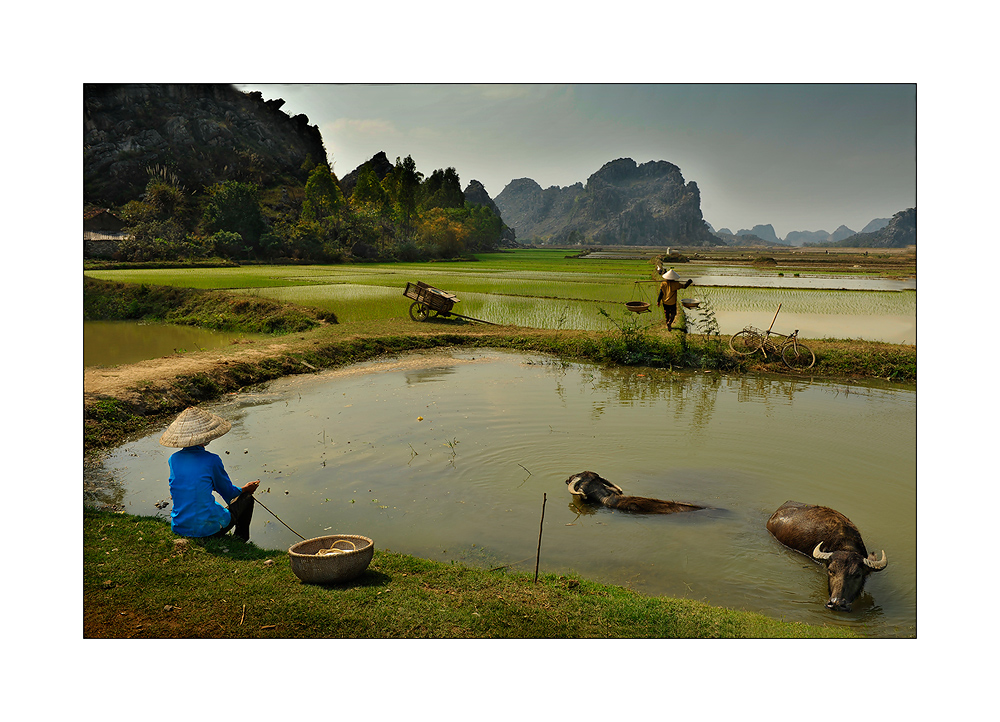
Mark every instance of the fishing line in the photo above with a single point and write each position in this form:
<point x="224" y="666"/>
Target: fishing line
<point x="258" y="501"/>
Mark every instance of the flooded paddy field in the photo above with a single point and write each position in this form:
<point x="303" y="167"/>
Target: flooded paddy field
<point x="545" y="289"/>
<point x="448" y="456"/>
<point x="110" y="343"/>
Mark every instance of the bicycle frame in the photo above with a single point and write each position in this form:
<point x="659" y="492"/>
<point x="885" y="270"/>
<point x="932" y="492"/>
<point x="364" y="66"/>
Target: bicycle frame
<point x="793" y="352"/>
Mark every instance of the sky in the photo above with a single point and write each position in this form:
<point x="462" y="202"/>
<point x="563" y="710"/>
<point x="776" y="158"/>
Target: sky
<point x="801" y="157"/>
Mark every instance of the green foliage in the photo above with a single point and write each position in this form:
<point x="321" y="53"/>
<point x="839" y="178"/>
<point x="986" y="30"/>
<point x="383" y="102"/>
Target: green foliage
<point x="630" y="344"/>
<point x="105" y="300"/>
<point x="323" y="199"/>
<point x="225" y="244"/>
<point x="442" y="190"/>
<point x="234" y="206"/>
<point x="704" y="319"/>
<point x="484" y="228"/>
<point x="402" y="185"/>
<point x="369" y="193"/>
<point x="164" y="200"/>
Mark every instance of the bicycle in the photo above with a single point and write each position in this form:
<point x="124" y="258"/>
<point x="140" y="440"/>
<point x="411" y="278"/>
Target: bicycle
<point x="793" y="352"/>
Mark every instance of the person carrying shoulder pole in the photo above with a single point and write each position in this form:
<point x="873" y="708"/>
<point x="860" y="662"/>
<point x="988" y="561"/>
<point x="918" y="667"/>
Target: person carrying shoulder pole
<point x="195" y="473"/>
<point x="668" y="295"/>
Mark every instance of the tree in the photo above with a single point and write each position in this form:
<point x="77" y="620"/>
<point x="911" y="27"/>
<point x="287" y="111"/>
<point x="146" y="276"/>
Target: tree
<point x="443" y="190"/>
<point x="369" y="193"/>
<point x="324" y="199"/>
<point x="403" y="185"/>
<point x="440" y="234"/>
<point x="235" y="206"/>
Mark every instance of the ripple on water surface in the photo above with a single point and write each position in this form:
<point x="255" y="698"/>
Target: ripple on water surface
<point x="448" y="456"/>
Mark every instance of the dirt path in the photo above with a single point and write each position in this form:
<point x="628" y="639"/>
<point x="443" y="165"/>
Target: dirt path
<point x="121" y="381"/>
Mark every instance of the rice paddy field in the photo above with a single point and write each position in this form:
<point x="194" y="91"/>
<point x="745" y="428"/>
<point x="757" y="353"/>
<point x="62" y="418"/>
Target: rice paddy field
<point x="551" y="289"/>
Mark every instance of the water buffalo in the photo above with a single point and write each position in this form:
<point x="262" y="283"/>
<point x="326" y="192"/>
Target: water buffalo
<point x="831" y="538"/>
<point x="592" y="487"/>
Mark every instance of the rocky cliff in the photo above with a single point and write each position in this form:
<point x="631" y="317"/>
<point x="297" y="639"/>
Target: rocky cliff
<point x="876" y="224"/>
<point x="379" y="163"/>
<point x="622" y="203"/>
<point x="199" y="133"/>
<point x="900" y="232"/>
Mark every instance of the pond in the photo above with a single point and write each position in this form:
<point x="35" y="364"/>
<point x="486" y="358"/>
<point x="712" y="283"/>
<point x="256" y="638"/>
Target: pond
<point x="109" y="343"/>
<point x="448" y="456"/>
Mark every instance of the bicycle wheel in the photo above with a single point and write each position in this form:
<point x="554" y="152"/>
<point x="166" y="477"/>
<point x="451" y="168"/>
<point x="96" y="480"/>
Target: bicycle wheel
<point x="746" y="342"/>
<point x="797" y="355"/>
<point x="418" y="311"/>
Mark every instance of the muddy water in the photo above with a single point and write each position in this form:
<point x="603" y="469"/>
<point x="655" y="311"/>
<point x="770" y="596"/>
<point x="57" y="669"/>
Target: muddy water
<point x="109" y="343"/>
<point x="448" y="457"/>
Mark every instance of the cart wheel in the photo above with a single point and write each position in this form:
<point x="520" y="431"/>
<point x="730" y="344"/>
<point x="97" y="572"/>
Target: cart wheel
<point x="418" y="311"/>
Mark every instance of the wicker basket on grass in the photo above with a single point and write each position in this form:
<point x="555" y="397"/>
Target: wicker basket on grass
<point x="331" y="559"/>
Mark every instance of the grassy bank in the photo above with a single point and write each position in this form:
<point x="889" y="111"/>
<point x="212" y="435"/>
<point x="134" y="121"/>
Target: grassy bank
<point x="112" y="301"/>
<point x="141" y="581"/>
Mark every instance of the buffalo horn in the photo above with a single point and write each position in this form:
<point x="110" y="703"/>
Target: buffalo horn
<point x="572" y="487"/>
<point x="876" y="564"/>
<point x="817" y="554"/>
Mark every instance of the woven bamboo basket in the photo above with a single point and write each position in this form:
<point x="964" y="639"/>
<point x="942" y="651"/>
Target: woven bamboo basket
<point x="637" y="306"/>
<point x="690" y="302"/>
<point x="331" y="559"/>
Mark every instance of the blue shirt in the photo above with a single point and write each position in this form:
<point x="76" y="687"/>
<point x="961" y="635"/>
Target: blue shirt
<point x="194" y="474"/>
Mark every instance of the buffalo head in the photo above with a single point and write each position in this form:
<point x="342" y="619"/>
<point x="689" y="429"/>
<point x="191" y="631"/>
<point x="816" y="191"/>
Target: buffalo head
<point x="831" y="538"/>
<point x="592" y="487"/>
<point x="846" y="573"/>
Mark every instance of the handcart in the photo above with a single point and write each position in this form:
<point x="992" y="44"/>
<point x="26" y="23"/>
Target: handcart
<point x="429" y="301"/>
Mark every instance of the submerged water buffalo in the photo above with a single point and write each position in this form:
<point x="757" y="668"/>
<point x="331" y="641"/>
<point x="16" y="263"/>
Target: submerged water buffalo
<point x="831" y="538"/>
<point x="594" y="488"/>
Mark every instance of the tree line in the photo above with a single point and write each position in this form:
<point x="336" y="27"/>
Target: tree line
<point x="403" y="216"/>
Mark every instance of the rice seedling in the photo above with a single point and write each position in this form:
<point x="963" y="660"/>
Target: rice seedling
<point x="528" y="287"/>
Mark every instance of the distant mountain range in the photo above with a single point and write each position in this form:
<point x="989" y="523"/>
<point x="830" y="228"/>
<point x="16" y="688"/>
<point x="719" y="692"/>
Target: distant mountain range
<point x="625" y="203"/>
<point x="765" y="235"/>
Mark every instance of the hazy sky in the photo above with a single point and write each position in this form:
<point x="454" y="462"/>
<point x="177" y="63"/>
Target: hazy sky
<point x="800" y="157"/>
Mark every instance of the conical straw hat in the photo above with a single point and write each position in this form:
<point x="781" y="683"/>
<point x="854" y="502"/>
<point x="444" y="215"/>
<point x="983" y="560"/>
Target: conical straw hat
<point x="194" y="427"/>
<point x="671" y="275"/>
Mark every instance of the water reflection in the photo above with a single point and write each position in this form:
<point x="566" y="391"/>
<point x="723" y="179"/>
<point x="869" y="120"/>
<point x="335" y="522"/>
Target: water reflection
<point x="345" y="452"/>
<point x="428" y="375"/>
<point x="109" y="343"/>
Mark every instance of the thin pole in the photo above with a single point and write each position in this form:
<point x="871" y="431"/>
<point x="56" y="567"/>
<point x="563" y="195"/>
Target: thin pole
<point x="539" y="552"/>
<point x="279" y="519"/>
<point x="774" y="319"/>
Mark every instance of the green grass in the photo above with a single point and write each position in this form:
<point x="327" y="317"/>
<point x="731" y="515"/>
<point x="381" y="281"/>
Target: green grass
<point x="536" y="288"/>
<point x="108" y="300"/>
<point x="139" y="583"/>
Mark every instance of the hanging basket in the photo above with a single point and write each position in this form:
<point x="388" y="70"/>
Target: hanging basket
<point x="690" y="302"/>
<point x="637" y="306"/>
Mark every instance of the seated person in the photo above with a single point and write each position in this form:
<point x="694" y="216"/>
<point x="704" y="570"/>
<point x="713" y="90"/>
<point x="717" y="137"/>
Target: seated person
<point x="195" y="473"/>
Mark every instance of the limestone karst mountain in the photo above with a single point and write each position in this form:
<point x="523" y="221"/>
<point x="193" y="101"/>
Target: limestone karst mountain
<point x="198" y="133"/>
<point x="622" y="203"/>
